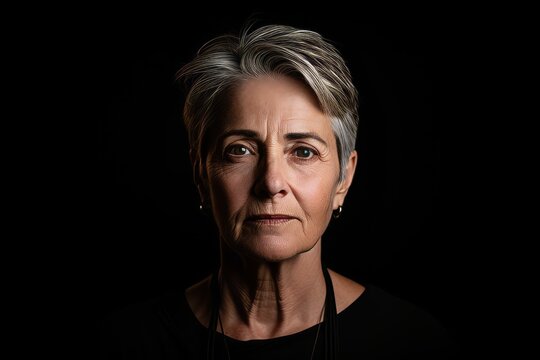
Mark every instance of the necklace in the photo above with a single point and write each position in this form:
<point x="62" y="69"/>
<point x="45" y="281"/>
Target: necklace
<point x="314" y="344"/>
<point x="331" y="340"/>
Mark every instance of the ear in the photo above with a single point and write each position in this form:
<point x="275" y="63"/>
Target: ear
<point x="344" y="185"/>
<point x="199" y="175"/>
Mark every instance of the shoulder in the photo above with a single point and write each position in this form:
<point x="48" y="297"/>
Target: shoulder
<point x="389" y="325"/>
<point x="391" y="309"/>
<point x="131" y="322"/>
<point x="133" y="315"/>
<point x="346" y="290"/>
<point x="151" y="328"/>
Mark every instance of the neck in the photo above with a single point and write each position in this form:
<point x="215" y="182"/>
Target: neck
<point x="268" y="299"/>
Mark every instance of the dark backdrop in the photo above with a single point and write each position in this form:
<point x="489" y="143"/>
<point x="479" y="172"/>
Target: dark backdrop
<point x="406" y="224"/>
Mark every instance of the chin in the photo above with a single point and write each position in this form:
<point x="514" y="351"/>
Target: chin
<point x="272" y="249"/>
<point x="272" y="257"/>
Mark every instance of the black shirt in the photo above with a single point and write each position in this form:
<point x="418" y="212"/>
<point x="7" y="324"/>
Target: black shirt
<point x="376" y="326"/>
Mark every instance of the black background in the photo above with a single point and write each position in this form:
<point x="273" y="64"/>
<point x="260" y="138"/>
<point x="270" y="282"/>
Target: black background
<point x="410" y="223"/>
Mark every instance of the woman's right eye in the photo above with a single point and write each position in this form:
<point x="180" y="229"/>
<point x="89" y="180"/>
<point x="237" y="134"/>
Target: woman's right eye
<point x="238" y="150"/>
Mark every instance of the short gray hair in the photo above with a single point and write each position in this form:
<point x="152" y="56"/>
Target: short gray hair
<point x="226" y="60"/>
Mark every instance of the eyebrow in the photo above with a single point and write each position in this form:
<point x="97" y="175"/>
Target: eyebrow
<point x="290" y="136"/>
<point x="305" y="135"/>
<point x="241" y="132"/>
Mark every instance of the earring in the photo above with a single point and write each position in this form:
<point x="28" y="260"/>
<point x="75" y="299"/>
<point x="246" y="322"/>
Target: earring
<point x="337" y="212"/>
<point x="204" y="209"/>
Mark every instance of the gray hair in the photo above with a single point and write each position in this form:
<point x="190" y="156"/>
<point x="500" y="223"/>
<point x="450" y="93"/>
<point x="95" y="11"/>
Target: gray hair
<point x="226" y="60"/>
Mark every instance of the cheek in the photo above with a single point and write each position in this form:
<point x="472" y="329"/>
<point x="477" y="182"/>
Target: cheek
<point x="315" y="191"/>
<point x="229" y="190"/>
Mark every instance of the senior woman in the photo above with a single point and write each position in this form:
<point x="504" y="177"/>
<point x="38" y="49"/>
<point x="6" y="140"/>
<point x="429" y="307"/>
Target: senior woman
<point x="271" y="117"/>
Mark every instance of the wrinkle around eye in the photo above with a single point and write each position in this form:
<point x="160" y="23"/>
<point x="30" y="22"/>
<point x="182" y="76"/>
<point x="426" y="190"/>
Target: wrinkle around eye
<point x="322" y="155"/>
<point x="220" y="169"/>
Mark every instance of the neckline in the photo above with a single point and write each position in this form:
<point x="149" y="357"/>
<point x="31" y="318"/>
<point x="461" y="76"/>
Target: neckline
<point x="330" y="318"/>
<point x="360" y="299"/>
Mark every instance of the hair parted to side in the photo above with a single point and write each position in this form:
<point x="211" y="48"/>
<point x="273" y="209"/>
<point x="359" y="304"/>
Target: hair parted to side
<point x="225" y="61"/>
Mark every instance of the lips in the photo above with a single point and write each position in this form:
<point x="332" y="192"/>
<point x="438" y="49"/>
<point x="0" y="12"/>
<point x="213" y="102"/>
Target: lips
<point x="269" y="218"/>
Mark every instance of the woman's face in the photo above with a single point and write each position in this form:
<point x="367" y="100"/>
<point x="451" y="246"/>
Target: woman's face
<point x="272" y="171"/>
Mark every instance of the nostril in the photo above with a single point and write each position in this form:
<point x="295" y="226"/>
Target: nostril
<point x="271" y="180"/>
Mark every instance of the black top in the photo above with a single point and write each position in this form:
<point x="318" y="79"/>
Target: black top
<point x="376" y="326"/>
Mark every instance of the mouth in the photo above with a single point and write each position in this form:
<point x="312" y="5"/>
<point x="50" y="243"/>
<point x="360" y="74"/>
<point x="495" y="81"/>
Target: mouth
<point x="269" y="219"/>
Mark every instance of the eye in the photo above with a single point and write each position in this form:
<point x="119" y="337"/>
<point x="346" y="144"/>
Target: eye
<point x="238" y="150"/>
<point x="303" y="153"/>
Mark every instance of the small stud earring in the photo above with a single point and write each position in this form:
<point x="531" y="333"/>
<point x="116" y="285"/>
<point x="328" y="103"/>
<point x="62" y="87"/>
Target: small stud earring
<point x="204" y="209"/>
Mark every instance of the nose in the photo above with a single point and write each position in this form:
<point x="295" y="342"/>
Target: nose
<point x="271" y="181"/>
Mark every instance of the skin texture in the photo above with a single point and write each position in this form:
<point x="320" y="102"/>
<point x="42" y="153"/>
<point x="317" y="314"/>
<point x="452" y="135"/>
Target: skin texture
<point x="271" y="176"/>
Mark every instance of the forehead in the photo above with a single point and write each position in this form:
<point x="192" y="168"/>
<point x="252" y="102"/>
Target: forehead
<point x="274" y="101"/>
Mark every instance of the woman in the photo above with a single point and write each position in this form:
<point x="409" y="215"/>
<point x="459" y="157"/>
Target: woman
<point x="271" y="117"/>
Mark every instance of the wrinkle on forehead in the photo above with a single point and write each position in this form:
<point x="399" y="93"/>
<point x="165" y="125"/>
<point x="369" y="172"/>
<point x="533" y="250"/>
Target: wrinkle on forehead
<point x="274" y="106"/>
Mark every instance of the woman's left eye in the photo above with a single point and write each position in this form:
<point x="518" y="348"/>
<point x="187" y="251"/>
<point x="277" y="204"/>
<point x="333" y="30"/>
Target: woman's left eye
<point x="303" y="153"/>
